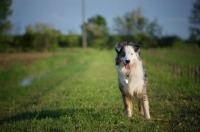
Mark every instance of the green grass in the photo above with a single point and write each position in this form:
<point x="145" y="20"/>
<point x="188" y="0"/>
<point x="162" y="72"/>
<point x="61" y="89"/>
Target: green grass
<point x="77" y="90"/>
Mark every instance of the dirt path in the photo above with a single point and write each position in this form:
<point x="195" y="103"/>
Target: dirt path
<point x="6" y="60"/>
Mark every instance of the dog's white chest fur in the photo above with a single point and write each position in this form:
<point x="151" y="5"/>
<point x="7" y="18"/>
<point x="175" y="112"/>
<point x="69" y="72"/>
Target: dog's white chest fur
<point x="131" y="80"/>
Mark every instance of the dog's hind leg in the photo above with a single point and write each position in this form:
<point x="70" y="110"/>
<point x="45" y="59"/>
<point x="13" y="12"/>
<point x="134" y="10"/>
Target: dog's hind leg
<point x="127" y="99"/>
<point x="140" y="107"/>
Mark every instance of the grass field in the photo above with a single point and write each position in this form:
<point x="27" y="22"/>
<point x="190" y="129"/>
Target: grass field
<point x="76" y="90"/>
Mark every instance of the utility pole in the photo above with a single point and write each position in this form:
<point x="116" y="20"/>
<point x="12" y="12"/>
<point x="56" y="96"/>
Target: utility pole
<point x="84" y="34"/>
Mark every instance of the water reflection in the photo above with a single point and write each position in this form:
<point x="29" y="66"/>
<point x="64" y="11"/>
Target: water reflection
<point x="26" y="82"/>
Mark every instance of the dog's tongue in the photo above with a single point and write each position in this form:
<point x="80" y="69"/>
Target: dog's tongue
<point x="127" y="66"/>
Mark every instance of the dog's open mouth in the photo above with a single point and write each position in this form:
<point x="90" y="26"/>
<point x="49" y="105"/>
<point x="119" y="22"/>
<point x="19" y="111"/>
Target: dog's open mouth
<point x="127" y="66"/>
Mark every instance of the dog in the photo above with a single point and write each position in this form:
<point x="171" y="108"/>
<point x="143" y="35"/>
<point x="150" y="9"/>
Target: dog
<point x="132" y="78"/>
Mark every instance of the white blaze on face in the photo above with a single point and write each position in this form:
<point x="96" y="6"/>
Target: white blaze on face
<point x="130" y="57"/>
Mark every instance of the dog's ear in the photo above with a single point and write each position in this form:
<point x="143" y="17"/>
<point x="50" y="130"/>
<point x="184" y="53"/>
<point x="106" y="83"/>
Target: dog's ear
<point x="136" y="47"/>
<point x="119" y="46"/>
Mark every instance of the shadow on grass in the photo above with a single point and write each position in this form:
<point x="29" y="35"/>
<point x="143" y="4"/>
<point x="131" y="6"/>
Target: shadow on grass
<point x="52" y="114"/>
<point x="32" y="115"/>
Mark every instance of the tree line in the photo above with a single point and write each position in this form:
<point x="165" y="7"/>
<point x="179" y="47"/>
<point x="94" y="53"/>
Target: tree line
<point x="132" y="26"/>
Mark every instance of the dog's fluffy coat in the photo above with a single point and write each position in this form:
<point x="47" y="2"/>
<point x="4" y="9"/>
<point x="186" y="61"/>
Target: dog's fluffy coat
<point x="132" y="77"/>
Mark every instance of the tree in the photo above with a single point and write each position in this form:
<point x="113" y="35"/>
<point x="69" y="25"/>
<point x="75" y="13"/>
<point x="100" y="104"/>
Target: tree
<point x="133" y="26"/>
<point x="40" y="37"/>
<point x="99" y="20"/>
<point x="195" y="21"/>
<point x="5" y="11"/>
<point x="97" y="31"/>
<point x="5" y="24"/>
<point x="154" y="29"/>
<point x="132" y="23"/>
<point x="72" y="39"/>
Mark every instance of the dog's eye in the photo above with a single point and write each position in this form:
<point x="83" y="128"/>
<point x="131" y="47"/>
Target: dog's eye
<point x="123" y="53"/>
<point x="131" y="53"/>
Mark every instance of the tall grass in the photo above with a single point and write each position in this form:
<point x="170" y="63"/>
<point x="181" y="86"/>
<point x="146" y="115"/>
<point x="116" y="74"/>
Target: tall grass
<point x="76" y="90"/>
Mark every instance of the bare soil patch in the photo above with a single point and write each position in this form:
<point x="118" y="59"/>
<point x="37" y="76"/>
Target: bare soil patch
<point x="6" y="60"/>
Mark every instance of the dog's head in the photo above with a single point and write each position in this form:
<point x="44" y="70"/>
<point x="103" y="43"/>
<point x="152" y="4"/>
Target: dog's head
<point x="127" y="54"/>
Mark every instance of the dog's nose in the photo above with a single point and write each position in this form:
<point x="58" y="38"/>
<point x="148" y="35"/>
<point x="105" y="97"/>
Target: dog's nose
<point x="127" y="61"/>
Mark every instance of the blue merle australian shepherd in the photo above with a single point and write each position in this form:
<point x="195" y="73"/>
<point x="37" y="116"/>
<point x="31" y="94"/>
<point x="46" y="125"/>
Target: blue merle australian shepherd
<point x="132" y="78"/>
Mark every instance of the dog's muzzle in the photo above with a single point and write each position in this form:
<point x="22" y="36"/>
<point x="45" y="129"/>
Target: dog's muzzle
<point x="127" y="65"/>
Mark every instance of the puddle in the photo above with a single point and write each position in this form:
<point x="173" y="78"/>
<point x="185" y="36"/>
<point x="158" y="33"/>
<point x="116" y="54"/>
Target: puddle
<point x="26" y="82"/>
<point x="29" y="80"/>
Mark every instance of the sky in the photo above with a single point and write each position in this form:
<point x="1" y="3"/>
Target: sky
<point x="66" y="15"/>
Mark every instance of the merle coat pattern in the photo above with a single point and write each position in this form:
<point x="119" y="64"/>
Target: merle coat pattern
<point x="132" y="78"/>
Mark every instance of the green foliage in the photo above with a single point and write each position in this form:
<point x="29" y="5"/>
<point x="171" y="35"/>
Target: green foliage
<point x="99" y="20"/>
<point x="41" y="37"/>
<point x="134" y="23"/>
<point x="97" y="32"/>
<point x="154" y="30"/>
<point x="167" y="41"/>
<point x="5" y="11"/>
<point x="112" y="41"/>
<point x="180" y="44"/>
<point x="195" y="21"/>
<point x="70" y="40"/>
<point x="73" y="93"/>
<point x="5" y="25"/>
<point x="138" y="26"/>
<point x="132" y="26"/>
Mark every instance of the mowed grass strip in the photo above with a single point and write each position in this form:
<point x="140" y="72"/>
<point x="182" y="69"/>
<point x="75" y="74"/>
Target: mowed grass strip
<point x="77" y="90"/>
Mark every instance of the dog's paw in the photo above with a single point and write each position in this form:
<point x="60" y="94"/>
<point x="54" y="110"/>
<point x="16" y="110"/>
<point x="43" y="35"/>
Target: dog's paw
<point x="128" y="112"/>
<point x="141" y="113"/>
<point x="129" y="115"/>
<point x="147" y="116"/>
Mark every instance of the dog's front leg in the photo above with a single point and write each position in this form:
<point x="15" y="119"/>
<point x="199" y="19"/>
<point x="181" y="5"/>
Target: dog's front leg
<point x="145" y="105"/>
<point x="127" y="99"/>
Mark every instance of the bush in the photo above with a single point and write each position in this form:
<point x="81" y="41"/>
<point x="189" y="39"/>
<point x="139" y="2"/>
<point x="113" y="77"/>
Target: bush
<point x="41" y="37"/>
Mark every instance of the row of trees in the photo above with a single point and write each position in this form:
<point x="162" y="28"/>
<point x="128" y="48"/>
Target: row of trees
<point x="132" y="26"/>
<point x="195" y="23"/>
<point x="5" y="25"/>
<point x="40" y="37"/>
